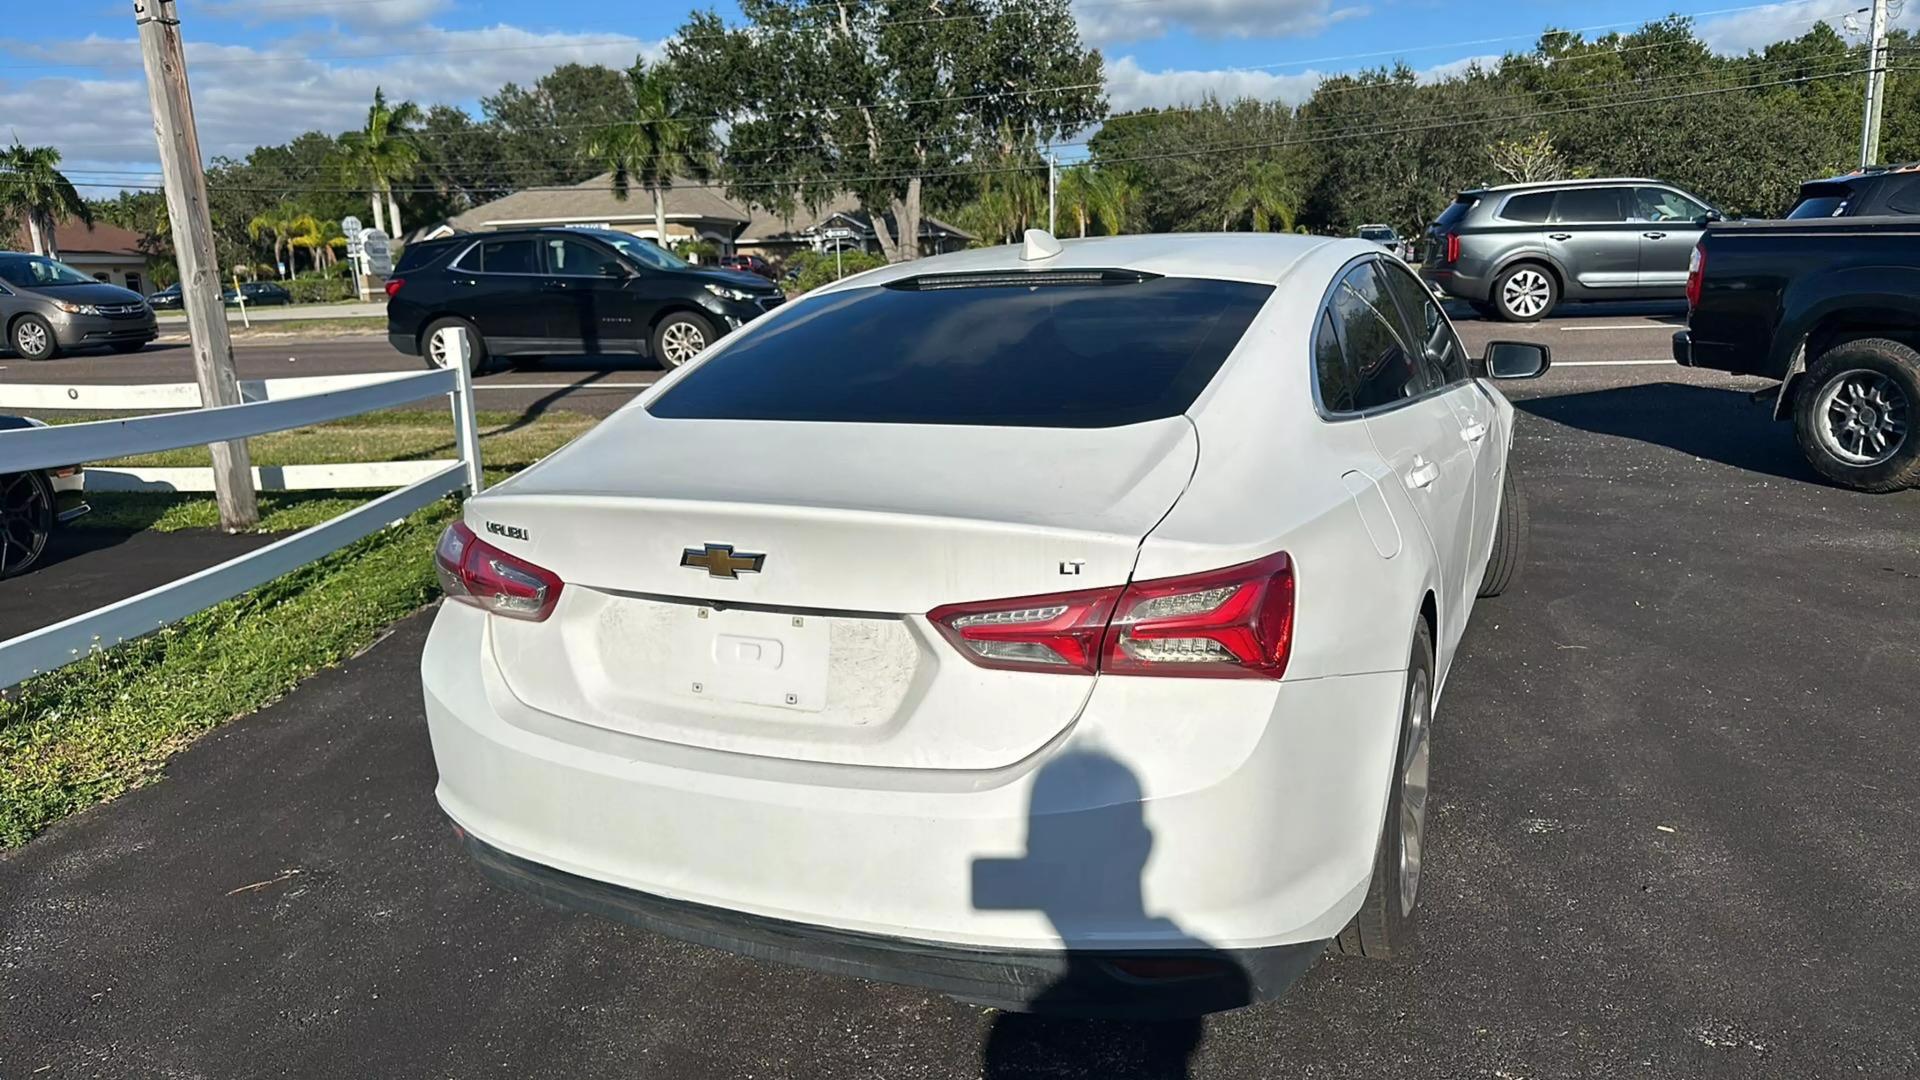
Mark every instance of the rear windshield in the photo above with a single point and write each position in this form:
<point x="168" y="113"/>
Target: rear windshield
<point x="1820" y="202"/>
<point x="1452" y="214"/>
<point x="1073" y="356"/>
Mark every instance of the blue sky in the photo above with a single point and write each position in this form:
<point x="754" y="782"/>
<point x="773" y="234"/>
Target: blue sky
<point x="265" y="70"/>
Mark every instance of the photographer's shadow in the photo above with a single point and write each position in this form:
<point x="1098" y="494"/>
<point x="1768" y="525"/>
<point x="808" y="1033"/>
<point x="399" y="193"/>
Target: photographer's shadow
<point x="1097" y="1012"/>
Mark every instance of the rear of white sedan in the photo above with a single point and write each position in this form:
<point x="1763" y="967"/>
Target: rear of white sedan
<point x="1017" y="624"/>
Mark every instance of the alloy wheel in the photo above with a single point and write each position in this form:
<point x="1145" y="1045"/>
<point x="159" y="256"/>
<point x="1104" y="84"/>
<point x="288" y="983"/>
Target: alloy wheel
<point x="1863" y="417"/>
<point x="1526" y="293"/>
<point x="31" y="339"/>
<point x="26" y="518"/>
<point x="1413" y="787"/>
<point x="681" y="342"/>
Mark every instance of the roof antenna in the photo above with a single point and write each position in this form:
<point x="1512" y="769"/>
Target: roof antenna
<point x="1040" y="245"/>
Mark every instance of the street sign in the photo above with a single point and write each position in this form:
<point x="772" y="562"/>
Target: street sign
<point x="350" y="226"/>
<point x="379" y="252"/>
<point x="837" y="234"/>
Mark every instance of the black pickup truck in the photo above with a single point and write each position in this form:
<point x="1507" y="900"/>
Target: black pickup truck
<point x="1830" y="307"/>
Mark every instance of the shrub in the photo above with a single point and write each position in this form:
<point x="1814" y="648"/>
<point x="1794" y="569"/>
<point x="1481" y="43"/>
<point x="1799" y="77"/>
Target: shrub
<point x="817" y="268"/>
<point x="320" y="290"/>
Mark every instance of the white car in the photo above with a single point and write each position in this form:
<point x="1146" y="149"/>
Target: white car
<point x="1054" y="626"/>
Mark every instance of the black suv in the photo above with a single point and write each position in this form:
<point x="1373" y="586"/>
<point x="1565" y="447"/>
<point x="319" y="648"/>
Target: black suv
<point x="1876" y="190"/>
<point x="537" y="292"/>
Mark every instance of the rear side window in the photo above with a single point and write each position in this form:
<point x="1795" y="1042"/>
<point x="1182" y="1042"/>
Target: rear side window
<point x="415" y="256"/>
<point x="1906" y="199"/>
<point x="1381" y="368"/>
<point x="1074" y="356"/>
<point x="1588" y="205"/>
<point x="500" y="257"/>
<point x="1532" y="207"/>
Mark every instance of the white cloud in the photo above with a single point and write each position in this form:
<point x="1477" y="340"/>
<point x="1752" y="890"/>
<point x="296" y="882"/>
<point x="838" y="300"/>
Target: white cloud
<point x="1111" y="21"/>
<point x="1760" y="27"/>
<point x="363" y="14"/>
<point x="246" y="97"/>
<point x="1129" y="86"/>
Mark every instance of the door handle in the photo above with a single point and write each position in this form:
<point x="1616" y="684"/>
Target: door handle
<point x="1423" y="473"/>
<point x="1654" y="235"/>
<point x="1560" y="236"/>
<point x="1474" y="432"/>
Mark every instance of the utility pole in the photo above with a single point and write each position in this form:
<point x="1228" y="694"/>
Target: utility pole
<point x="186" y="183"/>
<point x="1053" y="188"/>
<point x="1876" y="84"/>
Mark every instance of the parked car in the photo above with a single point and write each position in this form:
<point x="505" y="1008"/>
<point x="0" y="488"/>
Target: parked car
<point x="48" y="306"/>
<point x="750" y="264"/>
<point x="1880" y="189"/>
<point x="535" y="292"/>
<point x="1515" y="252"/>
<point x="1380" y="234"/>
<point x="258" y="294"/>
<point x="731" y="667"/>
<point x="32" y="504"/>
<point x="1831" y="309"/>
<point x="167" y="299"/>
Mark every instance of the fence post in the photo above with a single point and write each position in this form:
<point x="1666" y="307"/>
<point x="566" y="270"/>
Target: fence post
<point x="459" y="353"/>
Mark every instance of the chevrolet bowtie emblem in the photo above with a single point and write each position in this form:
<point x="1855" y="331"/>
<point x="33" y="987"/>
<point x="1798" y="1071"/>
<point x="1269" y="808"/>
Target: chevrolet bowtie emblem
<point x="718" y="560"/>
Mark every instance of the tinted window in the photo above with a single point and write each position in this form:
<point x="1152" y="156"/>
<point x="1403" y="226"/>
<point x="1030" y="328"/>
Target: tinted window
<point x="1661" y="204"/>
<point x="1820" y="206"/>
<point x="1378" y="236"/>
<point x="1383" y="371"/>
<point x="575" y="259"/>
<point x="1589" y="205"/>
<point x="417" y="255"/>
<point x="1330" y="367"/>
<point x="1425" y="326"/>
<point x="1905" y="200"/>
<point x="1047" y="356"/>
<point x="1452" y="214"/>
<point x="1531" y="207"/>
<point x="38" y="271"/>
<point x="644" y="252"/>
<point x="500" y="257"/>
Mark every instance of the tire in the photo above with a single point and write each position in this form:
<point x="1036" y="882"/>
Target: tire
<point x="1384" y="927"/>
<point x="1525" y="292"/>
<point x="679" y="338"/>
<point x="479" y="360"/>
<point x="127" y="346"/>
<point x="1509" y="539"/>
<point x="26" y="520"/>
<point x="32" y="337"/>
<point x="1854" y="415"/>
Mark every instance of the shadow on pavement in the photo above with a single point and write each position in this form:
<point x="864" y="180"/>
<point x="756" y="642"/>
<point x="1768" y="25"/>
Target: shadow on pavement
<point x="1082" y="870"/>
<point x="1707" y="422"/>
<point x="84" y="569"/>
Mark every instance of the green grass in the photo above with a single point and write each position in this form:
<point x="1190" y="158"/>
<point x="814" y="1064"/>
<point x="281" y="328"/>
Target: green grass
<point x="104" y="725"/>
<point x="357" y="324"/>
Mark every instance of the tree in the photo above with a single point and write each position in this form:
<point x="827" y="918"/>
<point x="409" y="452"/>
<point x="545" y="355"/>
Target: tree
<point x="315" y="236"/>
<point x="274" y="226"/>
<point x="380" y="153"/>
<point x="657" y="142"/>
<point x="1257" y="193"/>
<point x="882" y="101"/>
<point x="1094" y="196"/>
<point x="32" y="187"/>
<point x="1527" y="160"/>
<point x="537" y="135"/>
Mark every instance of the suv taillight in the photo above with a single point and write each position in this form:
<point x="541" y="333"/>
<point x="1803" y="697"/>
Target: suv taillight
<point x="1231" y="623"/>
<point x="475" y="572"/>
<point x="1453" y="247"/>
<point x="1696" y="269"/>
<point x="393" y="286"/>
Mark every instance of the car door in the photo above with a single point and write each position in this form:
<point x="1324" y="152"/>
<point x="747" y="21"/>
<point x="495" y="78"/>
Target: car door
<point x="1589" y="233"/>
<point x="496" y="285"/>
<point x="1400" y="396"/>
<point x="1669" y="229"/>
<point x="594" y="307"/>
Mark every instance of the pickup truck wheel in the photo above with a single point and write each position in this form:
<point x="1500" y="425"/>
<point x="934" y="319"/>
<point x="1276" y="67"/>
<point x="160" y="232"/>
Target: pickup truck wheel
<point x="1384" y="926"/>
<point x="1525" y="293"/>
<point x="1509" y="539"/>
<point x="1854" y="415"/>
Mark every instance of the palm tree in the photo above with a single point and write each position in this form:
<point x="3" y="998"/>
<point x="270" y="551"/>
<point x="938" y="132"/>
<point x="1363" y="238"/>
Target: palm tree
<point x="32" y="187"/>
<point x="657" y="143"/>
<point x="305" y="232"/>
<point x="1096" y="196"/>
<point x="275" y="225"/>
<point x="1258" y="191"/>
<point x="382" y="152"/>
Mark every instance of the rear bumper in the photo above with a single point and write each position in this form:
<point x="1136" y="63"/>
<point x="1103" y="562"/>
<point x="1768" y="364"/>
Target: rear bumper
<point x="1690" y="352"/>
<point x="405" y="343"/>
<point x="1682" y="348"/>
<point x="1450" y="281"/>
<point x="1106" y="983"/>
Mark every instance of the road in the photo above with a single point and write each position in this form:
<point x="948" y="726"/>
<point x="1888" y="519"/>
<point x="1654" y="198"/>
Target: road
<point x="1675" y="836"/>
<point x="282" y="313"/>
<point x="1582" y="334"/>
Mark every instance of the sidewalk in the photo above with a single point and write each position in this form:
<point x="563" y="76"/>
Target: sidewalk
<point x="370" y="309"/>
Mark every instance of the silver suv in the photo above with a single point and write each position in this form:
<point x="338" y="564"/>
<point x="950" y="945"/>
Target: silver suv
<point x="1515" y="252"/>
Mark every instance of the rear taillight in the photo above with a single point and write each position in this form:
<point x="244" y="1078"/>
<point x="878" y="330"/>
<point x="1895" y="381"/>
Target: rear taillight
<point x="1232" y="623"/>
<point x="1696" y="270"/>
<point x="475" y="572"/>
<point x="1453" y="247"/>
<point x="393" y="286"/>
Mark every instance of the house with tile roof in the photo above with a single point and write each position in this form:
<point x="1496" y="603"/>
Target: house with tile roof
<point x="104" y="252"/>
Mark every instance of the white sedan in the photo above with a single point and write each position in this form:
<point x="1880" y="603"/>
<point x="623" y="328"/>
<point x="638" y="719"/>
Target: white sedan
<point x="1055" y="626"/>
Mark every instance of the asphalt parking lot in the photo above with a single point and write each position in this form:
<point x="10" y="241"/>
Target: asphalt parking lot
<point x="1676" y="836"/>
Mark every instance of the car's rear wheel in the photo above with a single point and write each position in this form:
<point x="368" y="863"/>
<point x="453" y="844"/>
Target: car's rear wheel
<point x="1525" y="293"/>
<point x="26" y="520"/>
<point x="1855" y="411"/>
<point x="680" y="337"/>
<point x="435" y="349"/>
<point x="33" y="339"/>
<point x="1509" y="539"/>
<point x="1384" y="925"/>
<point x="127" y="346"/>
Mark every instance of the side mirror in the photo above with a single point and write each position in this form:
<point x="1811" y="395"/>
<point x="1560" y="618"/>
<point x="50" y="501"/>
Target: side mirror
<point x="1517" y="360"/>
<point x="1709" y="218"/>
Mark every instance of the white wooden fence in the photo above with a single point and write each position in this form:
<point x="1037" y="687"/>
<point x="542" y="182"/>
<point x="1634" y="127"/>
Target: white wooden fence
<point x="270" y="405"/>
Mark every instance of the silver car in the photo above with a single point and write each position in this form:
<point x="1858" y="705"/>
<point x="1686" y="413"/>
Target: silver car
<point x="1515" y="252"/>
<point x="47" y="307"/>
